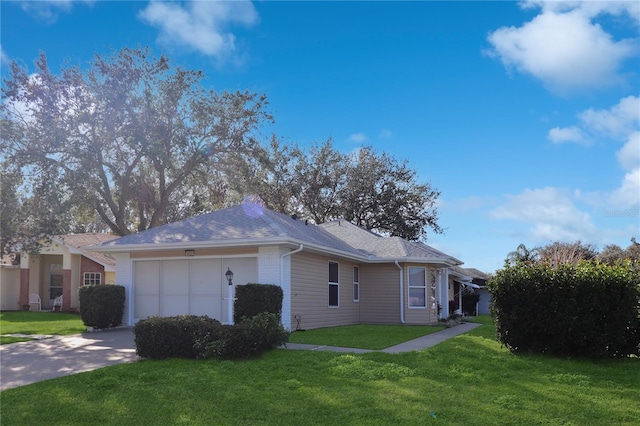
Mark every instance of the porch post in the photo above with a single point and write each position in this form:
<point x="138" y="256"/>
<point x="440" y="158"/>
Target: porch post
<point x="24" y="287"/>
<point x="66" y="290"/>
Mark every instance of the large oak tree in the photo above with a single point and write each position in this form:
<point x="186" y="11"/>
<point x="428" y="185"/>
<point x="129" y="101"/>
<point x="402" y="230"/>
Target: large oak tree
<point x="370" y="189"/>
<point x="132" y="139"/>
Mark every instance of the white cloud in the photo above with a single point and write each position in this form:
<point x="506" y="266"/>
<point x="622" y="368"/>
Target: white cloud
<point x="551" y="212"/>
<point x="4" y="58"/>
<point x="567" y="134"/>
<point x="618" y="121"/>
<point x="48" y="10"/>
<point x="628" y="195"/>
<point x="563" y="48"/>
<point x="358" y="137"/>
<point x="200" y="25"/>
<point x="629" y="155"/>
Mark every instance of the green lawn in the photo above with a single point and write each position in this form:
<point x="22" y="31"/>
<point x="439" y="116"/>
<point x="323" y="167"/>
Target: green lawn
<point x="28" y="322"/>
<point x="363" y="336"/>
<point x="468" y="380"/>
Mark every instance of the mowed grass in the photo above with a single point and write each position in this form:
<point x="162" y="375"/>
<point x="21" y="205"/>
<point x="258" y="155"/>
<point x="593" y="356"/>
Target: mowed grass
<point x="363" y="336"/>
<point x="28" y="322"/>
<point x="468" y="380"/>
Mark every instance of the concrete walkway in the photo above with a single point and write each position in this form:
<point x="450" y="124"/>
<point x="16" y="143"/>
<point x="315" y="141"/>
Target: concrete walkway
<point x="28" y="362"/>
<point x="420" y="343"/>
<point x="56" y="356"/>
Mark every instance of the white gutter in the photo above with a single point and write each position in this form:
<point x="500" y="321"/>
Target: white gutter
<point x="286" y="302"/>
<point x="401" y="292"/>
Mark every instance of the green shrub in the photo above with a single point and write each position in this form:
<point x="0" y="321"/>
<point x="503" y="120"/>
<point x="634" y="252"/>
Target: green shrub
<point x="179" y="336"/>
<point x="585" y="310"/>
<point x="102" y="306"/>
<point x="253" y="299"/>
<point x="250" y="337"/>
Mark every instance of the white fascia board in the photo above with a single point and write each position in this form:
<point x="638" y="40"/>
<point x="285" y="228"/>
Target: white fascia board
<point x="257" y="242"/>
<point x="126" y="248"/>
<point x="442" y="262"/>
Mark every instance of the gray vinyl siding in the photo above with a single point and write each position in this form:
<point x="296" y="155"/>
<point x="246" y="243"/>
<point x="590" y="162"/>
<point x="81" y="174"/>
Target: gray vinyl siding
<point x="380" y="294"/>
<point x="310" y="292"/>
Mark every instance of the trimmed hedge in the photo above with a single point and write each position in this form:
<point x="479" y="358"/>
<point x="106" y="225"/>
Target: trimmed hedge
<point x="174" y="337"/>
<point x="102" y="305"/>
<point x="584" y="310"/>
<point x="190" y="336"/>
<point x="250" y="337"/>
<point x="253" y="299"/>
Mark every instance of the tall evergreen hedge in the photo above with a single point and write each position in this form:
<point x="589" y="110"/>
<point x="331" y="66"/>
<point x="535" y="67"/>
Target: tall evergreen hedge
<point x="254" y="299"/>
<point x="584" y="310"/>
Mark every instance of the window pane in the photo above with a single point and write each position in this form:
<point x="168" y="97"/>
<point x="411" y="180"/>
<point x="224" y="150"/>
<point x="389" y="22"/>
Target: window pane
<point x="416" y="277"/>
<point x="417" y="297"/>
<point x="333" y="272"/>
<point x="356" y="291"/>
<point x="356" y="274"/>
<point x="333" y="294"/>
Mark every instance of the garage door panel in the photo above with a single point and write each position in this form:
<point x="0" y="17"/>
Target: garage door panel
<point x="175" y="277"/>
<point x="188" y="286"/>
<point x="245" y="270"/>
<point x="206" y="305"/>
<point x="146" y="306"/>
<point x="147" y="277"/>
<point x="205" y="276"/>
<point x="174" y="305"/>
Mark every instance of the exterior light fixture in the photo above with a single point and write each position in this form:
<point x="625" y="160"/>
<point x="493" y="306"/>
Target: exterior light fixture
<point x="229" y="276"/>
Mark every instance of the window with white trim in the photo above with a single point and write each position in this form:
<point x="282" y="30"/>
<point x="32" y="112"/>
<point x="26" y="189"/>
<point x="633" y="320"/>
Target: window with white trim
<point x="356" y="284"/>
<point x="92" y="278"/>
<point x="334" y="287"/>
<point x="417" y="287"/>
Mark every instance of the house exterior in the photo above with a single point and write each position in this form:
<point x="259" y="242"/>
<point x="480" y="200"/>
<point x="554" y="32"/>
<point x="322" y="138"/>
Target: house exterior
<point x="331" y="274"/>
<point x="60" y="269"/>
<point x="474" y="279"/>
<point x="9" y="282"/>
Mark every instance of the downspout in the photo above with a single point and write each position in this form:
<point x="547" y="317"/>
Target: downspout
<point x="287" y="295"/>
<point x="401" y="293"/>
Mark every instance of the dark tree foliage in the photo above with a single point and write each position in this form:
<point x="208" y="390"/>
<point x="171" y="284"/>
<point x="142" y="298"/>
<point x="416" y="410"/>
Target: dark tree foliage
<point x="523" y="255"/>
<point x="133" y="139"/>
<point x="561" y="252"/>
<point x="370" y="189"/>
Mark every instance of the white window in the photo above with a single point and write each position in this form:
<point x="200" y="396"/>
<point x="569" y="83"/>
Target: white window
<point x="334" y="287"/>
<point x="356" y="284"/>
<point x="417" y="287"/>
<point x="92" y="278"/>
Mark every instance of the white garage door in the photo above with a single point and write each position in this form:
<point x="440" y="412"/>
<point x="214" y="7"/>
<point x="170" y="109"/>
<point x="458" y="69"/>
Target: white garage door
<point x="188" y="286"/>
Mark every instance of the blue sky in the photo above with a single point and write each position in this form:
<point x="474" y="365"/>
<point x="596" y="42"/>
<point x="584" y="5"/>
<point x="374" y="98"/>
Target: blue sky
<point x="525" y="115"/>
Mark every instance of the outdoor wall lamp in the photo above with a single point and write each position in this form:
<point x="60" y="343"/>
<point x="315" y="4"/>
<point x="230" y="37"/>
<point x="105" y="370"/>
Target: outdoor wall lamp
<point x="229" y="276"/>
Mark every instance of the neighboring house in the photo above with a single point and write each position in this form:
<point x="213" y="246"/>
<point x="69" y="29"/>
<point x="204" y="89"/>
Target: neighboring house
<point x="477" y="280"/>
<point x="10" y="282"/>
<point x="332" y="274"/>
<point x="61" y="268"/>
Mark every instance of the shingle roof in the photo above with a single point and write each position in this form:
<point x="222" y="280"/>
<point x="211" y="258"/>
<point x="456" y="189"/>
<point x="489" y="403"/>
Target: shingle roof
<point x="242" y="223"/>
<point x="472" y="272"/>
<point x="382" y="247"/>
<point x="252" y="223"/>
<point x="82" y="241"/>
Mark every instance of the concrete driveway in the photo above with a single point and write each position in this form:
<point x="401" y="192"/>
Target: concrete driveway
<point x="28" y="362"/>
